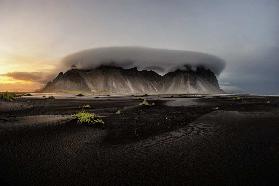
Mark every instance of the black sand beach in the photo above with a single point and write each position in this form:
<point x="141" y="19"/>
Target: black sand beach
<point x="177" y="140"/>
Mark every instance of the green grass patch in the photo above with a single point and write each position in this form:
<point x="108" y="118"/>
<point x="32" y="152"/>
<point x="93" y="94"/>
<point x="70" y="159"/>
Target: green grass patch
<point x="7" y="96"/>
<point x="84" y="117"/>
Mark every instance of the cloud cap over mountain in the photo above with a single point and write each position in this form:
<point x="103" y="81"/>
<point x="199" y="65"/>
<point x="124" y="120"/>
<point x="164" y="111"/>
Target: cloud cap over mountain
<point x="159" y="60"/>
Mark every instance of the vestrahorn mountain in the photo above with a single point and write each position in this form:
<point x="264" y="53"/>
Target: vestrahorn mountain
<point x="113" y="80"/>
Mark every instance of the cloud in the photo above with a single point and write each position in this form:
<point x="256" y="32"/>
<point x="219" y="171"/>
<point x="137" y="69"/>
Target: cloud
<point x="255" y="71"/>
<point x="160" y="60"/>
<point x="38" y="77"/>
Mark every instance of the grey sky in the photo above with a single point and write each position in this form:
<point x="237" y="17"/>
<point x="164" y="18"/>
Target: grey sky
<point x="245" y="33"/>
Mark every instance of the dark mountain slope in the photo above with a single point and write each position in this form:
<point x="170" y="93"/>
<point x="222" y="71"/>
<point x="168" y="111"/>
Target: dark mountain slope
<point x="116" y="80"/>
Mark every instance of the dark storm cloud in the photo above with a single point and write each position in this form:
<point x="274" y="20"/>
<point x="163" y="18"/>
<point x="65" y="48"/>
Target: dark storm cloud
<point x="256" y="71"/>
<point x="160" y="60"/>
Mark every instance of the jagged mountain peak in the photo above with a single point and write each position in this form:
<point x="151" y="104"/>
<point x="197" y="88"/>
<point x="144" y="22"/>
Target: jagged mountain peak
<point x="107" y="79"/>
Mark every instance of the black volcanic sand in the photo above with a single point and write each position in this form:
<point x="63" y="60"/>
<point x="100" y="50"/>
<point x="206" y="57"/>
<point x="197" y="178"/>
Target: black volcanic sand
<point x="211" y="140"/>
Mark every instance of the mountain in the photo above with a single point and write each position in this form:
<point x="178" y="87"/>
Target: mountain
<point x="114" y="80"/>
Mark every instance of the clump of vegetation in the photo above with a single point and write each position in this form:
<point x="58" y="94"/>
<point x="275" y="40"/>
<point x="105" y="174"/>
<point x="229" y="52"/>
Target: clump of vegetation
<point x="86" y="106"/>
<point x="144" y="103"/>
<point x="84" y="117"/>
<point x="79" y="95"/>
<point x="7" y="96"/>
<point x="236" y="98"/>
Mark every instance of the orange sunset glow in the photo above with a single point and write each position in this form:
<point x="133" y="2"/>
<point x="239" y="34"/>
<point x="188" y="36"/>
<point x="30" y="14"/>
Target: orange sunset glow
<point x="19" y="63"/>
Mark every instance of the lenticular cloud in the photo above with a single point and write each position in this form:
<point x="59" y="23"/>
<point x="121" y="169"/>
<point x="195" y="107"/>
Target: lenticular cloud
<point x="159" y="60"/>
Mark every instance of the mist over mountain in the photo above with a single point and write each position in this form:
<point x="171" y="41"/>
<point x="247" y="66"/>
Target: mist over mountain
<point x="114" y="80"/>
<point x="159" y="60"/>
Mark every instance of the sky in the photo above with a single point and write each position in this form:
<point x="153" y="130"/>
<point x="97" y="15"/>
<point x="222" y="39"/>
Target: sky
<point x="35" y="35"/>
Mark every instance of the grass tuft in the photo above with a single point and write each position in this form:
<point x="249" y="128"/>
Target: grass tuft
<point x="7" y="96"/>
<point x="144" y="103"/>
<point x="86" y="106"/>
<point x="84" y="117"/>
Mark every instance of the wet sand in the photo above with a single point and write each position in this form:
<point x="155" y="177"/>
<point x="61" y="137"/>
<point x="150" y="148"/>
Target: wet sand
<point x="179" y="140"/>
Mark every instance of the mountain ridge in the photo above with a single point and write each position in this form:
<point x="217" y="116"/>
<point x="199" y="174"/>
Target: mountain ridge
<point x="114" y="80"/>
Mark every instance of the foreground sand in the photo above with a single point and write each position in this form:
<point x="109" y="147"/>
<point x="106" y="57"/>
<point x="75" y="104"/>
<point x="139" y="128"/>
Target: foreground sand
<point x="228" y="140"/>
